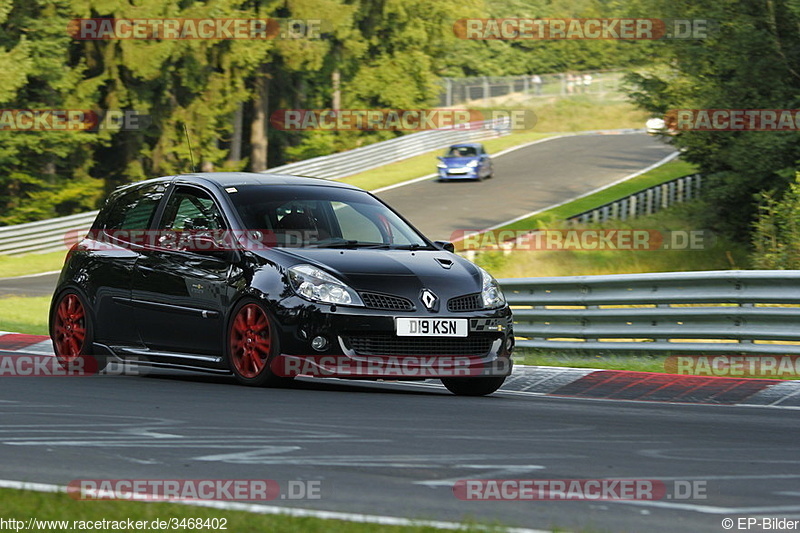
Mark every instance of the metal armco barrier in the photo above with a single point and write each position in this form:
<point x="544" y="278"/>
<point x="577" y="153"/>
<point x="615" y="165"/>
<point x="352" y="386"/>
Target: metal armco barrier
<point x="732" y="312"/>
<point x="45" y="235"/>
<point x="351" y="162"/>
<point x="644" y="202"/>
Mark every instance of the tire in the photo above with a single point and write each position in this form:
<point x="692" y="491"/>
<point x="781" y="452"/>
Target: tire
<point x="473" y="386"/>
<point x="72" y="333"/>
<point x="251" y="343"/>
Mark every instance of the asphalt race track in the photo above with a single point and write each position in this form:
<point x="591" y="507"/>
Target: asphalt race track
<point x="397" y="450"/>
<point x="527" y="179"/>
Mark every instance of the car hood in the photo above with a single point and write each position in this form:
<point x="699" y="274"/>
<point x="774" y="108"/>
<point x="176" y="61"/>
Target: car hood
<point x="400" y="272"/>
<point x="458" y="161"/>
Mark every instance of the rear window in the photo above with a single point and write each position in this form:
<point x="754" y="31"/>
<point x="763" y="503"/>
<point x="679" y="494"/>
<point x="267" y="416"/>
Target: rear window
<point x="134" y="210"/>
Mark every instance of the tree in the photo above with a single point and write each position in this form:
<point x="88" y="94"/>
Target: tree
<point x="751" y="60"/>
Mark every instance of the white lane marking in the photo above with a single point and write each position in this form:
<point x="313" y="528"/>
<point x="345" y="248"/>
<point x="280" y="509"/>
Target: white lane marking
<point x="403" y="183"/>
<point x="248" y="457"/>
<point x="32" y="275"/>
<point x="376" y="461"/>
<point x="713" y="509"/>
<point x="288" y="511"/>
<point x="496" y="472"/>
<point x="696" y="454"/>
<point x="146" y="432"/>
<point x="667" y="159"/>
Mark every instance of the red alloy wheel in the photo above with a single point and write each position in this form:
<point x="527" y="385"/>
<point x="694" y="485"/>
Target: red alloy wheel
<point x="250" y="341"/>
<point x="70" y="328"/>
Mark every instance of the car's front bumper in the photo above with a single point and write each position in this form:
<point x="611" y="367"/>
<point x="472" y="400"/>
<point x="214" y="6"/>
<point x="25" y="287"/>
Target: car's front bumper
<point x="470" y="173"/>
<point x="362" y="343"/>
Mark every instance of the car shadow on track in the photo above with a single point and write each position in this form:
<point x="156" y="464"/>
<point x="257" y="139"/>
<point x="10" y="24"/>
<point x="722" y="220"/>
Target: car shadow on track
<point x="304" y="384"/>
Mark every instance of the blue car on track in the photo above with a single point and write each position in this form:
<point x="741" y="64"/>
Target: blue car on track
<point x="466" y="161"/>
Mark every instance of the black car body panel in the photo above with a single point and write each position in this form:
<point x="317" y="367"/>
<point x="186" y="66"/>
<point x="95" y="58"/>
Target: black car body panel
<point x="172" y="307"/>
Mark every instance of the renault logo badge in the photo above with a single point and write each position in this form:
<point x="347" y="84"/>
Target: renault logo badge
<point x="429" y="299"/>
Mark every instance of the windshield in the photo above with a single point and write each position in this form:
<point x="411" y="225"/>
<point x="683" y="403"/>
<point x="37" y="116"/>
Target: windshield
<point x="322" y="217"/>
<point x="462" y="151"/>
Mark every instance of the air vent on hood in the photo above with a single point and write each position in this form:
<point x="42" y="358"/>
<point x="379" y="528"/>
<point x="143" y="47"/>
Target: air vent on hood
<point x="446" y="263"/>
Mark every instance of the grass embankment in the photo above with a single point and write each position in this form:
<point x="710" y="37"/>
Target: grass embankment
<point x="22" y="505"/>
<point x="21" y="265"/>
<point x="24" y="314"/>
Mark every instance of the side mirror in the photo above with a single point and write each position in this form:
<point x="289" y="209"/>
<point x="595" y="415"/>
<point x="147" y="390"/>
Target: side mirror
<point x="445" y="245"/>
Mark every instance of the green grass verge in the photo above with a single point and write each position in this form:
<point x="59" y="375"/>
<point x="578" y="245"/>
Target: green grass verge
<point x="664" y="173"/>
<point x="20" y="265"/>
<point x="24" y="314"/>
<point x="638" y="362"/>
<point x="718" y="254"/>
<point x="22" y="505"/>
<point x="635" y="361"/>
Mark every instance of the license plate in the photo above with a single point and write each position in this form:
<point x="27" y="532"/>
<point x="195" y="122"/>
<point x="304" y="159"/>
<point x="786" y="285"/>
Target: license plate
<point x="432" y="327"/>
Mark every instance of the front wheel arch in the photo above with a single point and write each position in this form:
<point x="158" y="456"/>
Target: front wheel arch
<point x="246" y="354"/>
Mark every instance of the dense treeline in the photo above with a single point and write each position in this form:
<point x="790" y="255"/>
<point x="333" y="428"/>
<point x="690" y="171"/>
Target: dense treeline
<point x="749" y="61"/>
<point x="372" y="54"/>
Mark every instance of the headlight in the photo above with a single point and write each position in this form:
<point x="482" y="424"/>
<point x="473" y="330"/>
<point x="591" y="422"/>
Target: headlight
<point x="313" y="284"/>
<point x="490" y="291"/>
<point x="473" y="163"/>
<point x="441" y="165"/>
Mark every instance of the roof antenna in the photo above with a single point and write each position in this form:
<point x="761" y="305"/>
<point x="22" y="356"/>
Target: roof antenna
<point x="189" y="142"/>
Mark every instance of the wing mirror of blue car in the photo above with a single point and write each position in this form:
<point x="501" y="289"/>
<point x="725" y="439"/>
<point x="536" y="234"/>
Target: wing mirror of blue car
<point x="445" y="245"/>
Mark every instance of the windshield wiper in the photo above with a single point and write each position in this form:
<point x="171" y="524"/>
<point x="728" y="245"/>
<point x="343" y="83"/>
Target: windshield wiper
<point x="413" y="246"/>
<point x="349" y="244"/>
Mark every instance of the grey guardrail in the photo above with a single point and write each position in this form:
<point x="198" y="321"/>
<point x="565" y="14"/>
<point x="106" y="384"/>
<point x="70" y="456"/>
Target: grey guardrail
<point x="741" y="312"/>
<point x="45" y="235"/>
<point x="645" y="202"/>
<point x="351" y="162"/>
<point x="51" y="235"/>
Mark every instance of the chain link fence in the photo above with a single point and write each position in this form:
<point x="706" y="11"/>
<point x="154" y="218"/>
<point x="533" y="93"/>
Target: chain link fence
<point x="463" y="91"/>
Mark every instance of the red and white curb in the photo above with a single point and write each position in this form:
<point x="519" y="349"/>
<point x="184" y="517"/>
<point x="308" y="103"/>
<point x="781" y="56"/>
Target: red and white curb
<point x="22" y="342"/>
<point x="586" y="383"/>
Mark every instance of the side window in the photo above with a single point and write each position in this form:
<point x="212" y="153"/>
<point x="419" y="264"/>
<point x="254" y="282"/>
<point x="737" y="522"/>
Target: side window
<point x="191" y="209"/>
<point x="134" y="210"/>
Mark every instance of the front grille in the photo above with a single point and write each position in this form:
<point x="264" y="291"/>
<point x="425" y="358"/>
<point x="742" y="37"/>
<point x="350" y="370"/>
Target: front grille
<point x="374" y="344"/>
<point x="374" y="300"/>
<point x="470" y="302"/>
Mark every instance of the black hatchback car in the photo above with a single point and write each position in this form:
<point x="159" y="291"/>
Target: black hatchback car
<point x="269" y="277"/>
